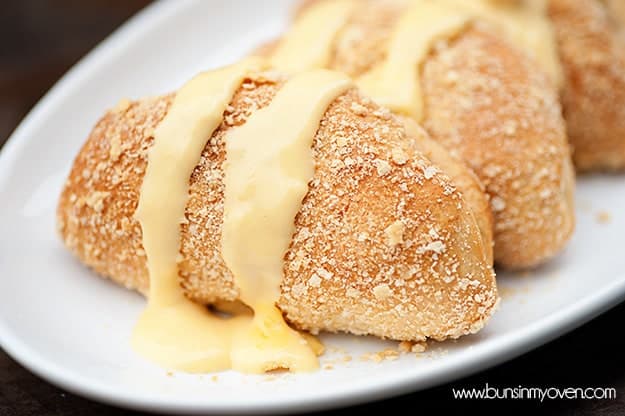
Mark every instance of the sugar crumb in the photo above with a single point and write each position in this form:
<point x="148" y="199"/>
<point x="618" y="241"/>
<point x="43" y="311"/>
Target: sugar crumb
<point x="604" y="217"/>
<point x="435" y="246"/>
<point x="358" y="109"/>
<point x="395" y="233"/>
<point x="498" y="204"/>
<point x="382" y="291"/>
<point x="412" y="347"/>
<point x="116" y="148"/>
<point x="122" y="105"/>
<point x="382" y="166"/>
<point x="430" y="172"/>
<point x="399" y="156"/>
<point x="95" y="200"/>
<point x="314" y="281"/>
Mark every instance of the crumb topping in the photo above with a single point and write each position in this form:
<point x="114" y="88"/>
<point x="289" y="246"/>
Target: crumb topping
<point x="341" y="273"/>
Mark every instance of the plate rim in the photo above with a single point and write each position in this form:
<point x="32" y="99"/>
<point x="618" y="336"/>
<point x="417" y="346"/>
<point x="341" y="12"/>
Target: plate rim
<point x="489" y="354"/>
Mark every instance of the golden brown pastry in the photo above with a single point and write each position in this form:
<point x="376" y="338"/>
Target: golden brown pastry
<point x="616" y="9"/>
<point x="591" y="39"/>
<point x="490" y="105"/>
<point x="384" y="243"/>
<point x="462" y="176"/>
<point x="503" y="118"/>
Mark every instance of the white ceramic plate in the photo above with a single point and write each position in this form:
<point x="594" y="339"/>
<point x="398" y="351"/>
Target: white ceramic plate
<point x="73" y="328"/>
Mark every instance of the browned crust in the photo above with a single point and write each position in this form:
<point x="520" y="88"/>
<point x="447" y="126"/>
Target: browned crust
<point x="382" y="15"/>
<point x="493" y="108"/>
<point x="463" y="178"/>
<point x="591" y="43"/>
<point x="381" y="247"/>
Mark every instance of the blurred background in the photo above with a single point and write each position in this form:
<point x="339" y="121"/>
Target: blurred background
<point x="41" y="39"/>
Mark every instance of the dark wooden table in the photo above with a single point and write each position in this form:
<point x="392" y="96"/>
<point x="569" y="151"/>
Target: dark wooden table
<point x="40" y="40"/>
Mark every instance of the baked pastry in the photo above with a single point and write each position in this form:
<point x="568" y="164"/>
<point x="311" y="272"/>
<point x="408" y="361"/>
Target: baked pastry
<point x="383" y="242"/>
<point x="616" y="8"/>
<point x="591" y="40"/>
<point x="462" y="177"/>
<point x="490" y="104"/>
